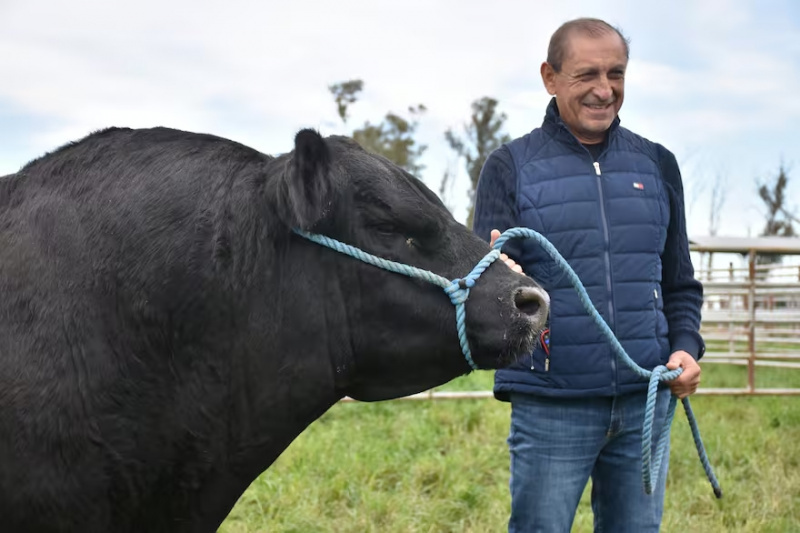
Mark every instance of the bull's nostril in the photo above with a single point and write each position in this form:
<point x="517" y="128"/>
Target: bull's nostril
<point x="530" y="300"/>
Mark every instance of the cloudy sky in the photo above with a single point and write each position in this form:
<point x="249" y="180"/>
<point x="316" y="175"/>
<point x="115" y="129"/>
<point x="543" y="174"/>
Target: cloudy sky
<point x="716" y="81"/>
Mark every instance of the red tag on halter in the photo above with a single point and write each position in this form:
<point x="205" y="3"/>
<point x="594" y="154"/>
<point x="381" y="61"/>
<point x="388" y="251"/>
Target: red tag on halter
<point x="544" y="338"/>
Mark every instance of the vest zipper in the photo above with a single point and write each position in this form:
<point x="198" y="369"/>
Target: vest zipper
<point x="606" y="252"/>
<point x="607" y="260"/>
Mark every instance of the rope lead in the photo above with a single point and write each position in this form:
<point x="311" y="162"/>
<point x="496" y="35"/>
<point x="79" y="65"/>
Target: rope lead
<point x="659" y="373"/>
<point x="458" y="291"/>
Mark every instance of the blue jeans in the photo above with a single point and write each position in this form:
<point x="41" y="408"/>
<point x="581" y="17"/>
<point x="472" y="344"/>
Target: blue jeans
<point x="557" y="444"/>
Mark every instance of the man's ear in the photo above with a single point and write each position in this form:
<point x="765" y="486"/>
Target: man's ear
<point x="548" y="77"/>
<point x="306" y="185"/>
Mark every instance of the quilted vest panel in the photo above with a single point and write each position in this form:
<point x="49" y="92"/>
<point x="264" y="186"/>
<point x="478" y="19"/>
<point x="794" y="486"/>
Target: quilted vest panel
<point x="609" y="220"/>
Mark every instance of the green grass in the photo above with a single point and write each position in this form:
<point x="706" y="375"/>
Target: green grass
<point x="442" y="466"/>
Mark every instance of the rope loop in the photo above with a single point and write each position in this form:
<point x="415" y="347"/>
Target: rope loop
<point x="650" y="468"/>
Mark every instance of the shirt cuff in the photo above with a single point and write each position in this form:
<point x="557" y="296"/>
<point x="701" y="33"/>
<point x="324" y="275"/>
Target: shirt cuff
<point x="688" y="341"/>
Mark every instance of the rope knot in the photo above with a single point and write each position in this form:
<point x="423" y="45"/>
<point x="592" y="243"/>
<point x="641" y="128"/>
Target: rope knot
<point x="466" y="283"/>
<point x="458" y="290"/>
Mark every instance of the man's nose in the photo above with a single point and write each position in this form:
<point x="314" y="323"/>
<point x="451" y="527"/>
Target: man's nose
<point x="603" y="88"/>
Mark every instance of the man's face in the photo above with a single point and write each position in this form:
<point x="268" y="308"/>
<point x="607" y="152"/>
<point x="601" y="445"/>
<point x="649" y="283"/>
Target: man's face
<point x="590" y="87"/>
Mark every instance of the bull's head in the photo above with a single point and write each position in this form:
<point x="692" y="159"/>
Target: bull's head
<point x="400" y="332"/>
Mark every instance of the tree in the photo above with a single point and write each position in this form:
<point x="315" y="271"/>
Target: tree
<point x="393" y="138"/>
<point x="719" y="192"/>
<point x="482" y="136"/>
<point x="345" y="93"/>
<point x="780" y="222"/>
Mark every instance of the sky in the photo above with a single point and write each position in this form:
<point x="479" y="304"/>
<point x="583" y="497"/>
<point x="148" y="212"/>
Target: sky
<point x="717" y="82"/>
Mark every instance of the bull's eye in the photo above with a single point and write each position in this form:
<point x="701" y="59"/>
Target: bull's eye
<point x="386" y="232"/>
<point x="410" y="242"/>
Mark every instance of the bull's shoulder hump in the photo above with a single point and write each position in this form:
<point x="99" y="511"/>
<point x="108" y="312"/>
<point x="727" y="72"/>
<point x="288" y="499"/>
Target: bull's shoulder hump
<point x="167" y="142"/>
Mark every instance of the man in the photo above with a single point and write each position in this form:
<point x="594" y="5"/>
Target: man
<point x="611" y="202"/>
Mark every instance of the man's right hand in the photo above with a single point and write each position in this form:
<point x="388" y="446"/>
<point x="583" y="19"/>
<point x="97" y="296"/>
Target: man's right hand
<point x="507" y="260"/>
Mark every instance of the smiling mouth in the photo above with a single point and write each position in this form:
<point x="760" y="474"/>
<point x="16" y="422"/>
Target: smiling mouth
<point x="599" y="107"/>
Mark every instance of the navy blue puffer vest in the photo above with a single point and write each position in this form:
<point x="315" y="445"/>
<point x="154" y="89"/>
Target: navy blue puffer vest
<point x="609" y="219"/>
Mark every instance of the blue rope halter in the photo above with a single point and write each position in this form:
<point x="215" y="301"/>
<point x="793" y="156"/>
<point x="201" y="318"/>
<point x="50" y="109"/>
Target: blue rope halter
<point x="458" y="291"/>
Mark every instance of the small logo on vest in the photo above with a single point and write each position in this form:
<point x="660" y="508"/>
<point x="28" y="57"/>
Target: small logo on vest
<point x="637" y="185"/>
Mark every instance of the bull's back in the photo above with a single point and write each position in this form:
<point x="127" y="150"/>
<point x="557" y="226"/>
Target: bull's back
<point x="120" y="162"/>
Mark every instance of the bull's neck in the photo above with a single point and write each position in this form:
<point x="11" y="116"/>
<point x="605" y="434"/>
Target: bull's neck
<point x="284" y="367"/>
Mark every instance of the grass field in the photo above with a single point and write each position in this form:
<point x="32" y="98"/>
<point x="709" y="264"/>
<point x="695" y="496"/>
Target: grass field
<point x="442" y="466"/>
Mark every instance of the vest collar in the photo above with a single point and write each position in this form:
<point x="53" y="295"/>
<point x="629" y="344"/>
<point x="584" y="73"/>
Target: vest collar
<point x="554" y="123"/>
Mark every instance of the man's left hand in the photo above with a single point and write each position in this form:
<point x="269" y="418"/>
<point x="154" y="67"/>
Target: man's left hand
<point x="503" y="257"/>
<point x="687" y="382"/>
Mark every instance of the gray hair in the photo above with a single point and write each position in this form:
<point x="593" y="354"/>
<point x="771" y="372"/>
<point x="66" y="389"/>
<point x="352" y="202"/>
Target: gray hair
<point x="587" y="26"/>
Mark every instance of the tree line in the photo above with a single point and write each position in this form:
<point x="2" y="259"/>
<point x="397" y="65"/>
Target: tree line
<point x="394" y="138"/>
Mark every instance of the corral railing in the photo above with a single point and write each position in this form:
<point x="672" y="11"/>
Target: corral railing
<point x="751" y="317"/>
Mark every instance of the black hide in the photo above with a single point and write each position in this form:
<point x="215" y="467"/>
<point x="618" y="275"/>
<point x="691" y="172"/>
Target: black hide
<point x="164" y="335"/>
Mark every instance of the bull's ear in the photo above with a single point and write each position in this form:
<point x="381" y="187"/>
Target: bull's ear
<point x="307" y="185"/>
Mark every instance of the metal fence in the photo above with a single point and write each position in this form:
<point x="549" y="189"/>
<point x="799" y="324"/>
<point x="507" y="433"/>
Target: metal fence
<point x="751" y="317"/>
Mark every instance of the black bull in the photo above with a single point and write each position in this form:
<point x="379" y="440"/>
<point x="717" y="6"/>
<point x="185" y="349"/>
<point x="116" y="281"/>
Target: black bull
<point x="164" y="335"/>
